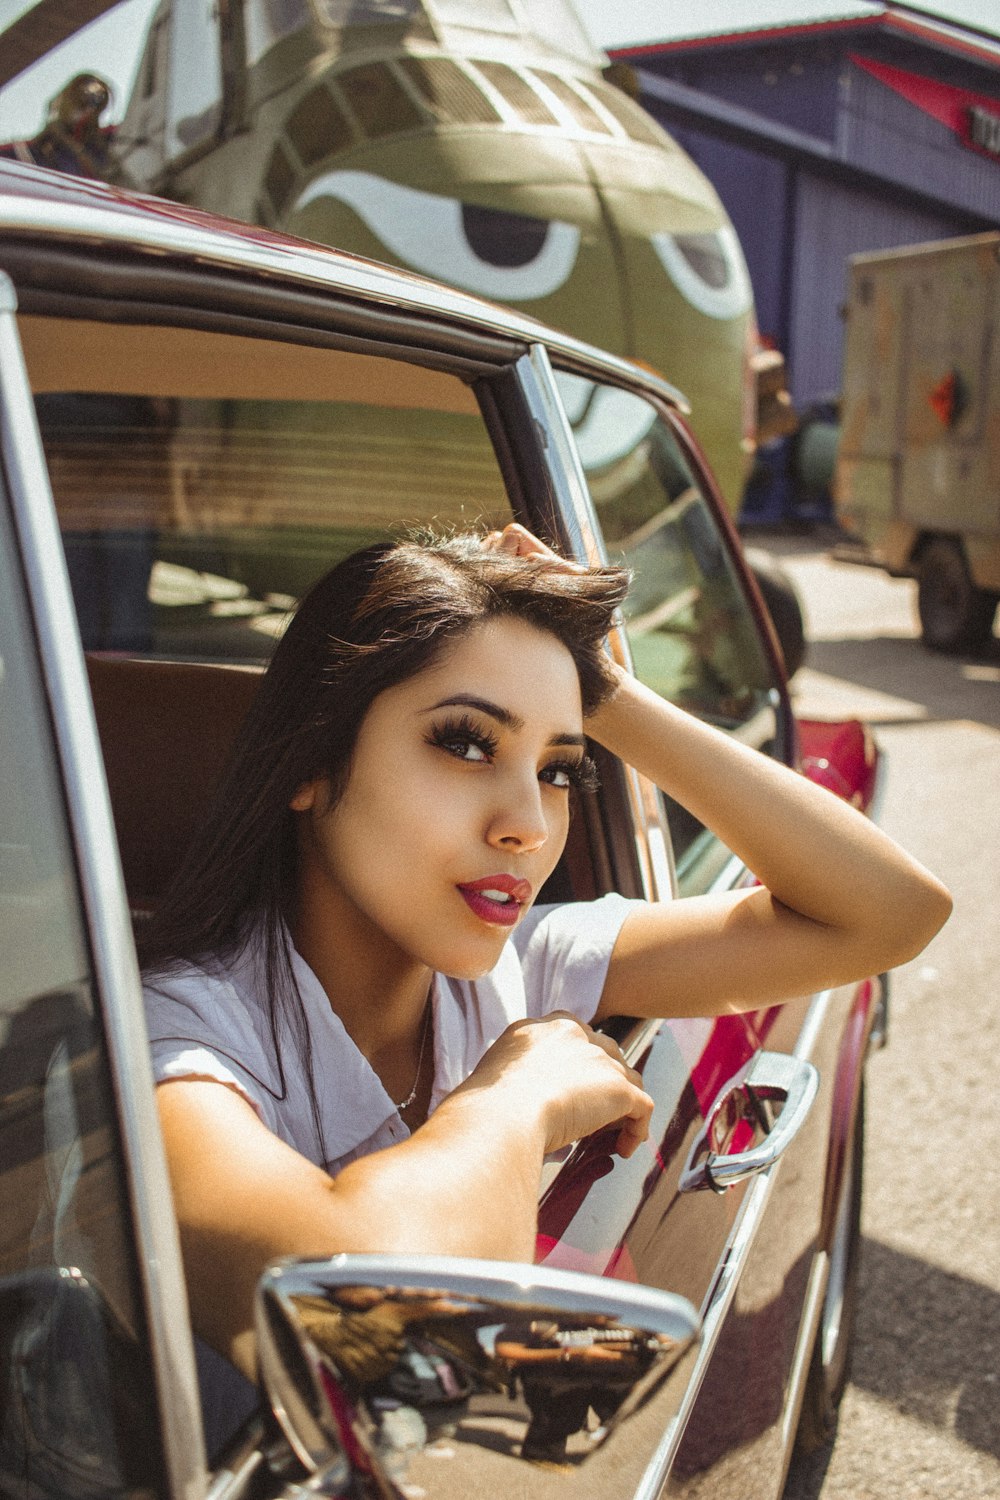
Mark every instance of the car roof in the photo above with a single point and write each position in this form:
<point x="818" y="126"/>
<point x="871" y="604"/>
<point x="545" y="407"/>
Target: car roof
<point x="38" y="203"/>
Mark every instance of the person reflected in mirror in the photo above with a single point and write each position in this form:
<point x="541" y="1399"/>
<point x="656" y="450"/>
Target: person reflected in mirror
<point x="367" y="1034"/>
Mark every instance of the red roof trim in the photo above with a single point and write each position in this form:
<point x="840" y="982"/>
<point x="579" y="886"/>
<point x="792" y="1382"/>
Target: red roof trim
<point x="941" y="35"/>
<point x="761" y="34"/>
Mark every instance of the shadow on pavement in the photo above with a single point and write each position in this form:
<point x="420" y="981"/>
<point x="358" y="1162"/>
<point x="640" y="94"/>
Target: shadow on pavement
<point x="946" y="687"/>
<point x="927" y="1344"/>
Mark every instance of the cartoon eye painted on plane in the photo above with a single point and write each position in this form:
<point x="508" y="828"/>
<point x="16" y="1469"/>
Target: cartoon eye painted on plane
<point x="511" y="257"/>
<point x="707" y="269"/>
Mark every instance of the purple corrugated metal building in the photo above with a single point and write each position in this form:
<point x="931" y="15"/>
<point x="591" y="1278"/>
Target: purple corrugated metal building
<point x="828" y="137"/>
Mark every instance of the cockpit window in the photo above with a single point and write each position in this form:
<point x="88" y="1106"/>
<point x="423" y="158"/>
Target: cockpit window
<point x="631" y="116"/>
<point x="582" y="114"/>
<point x="526" y="104"/>
<point x="368" y="12"/>
<point x="317" y="127"/>
<point x="448" y="92"/>
<point x="267" y="22"/>
<point x="378" y="100"/>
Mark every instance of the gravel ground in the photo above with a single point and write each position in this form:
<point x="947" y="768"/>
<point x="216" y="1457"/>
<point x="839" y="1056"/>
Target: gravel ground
<point x="921" y="1417"/>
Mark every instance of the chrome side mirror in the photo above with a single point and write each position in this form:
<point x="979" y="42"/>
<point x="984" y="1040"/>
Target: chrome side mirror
<point x="371" y="1362"/>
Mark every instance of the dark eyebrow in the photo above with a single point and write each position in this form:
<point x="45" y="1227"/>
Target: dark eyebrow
<point x="502" y="715"/>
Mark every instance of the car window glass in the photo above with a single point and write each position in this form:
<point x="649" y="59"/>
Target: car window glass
<point x="77" y="1417"/>
<point x="204" y="482"/>
<point x="692" y="634"/>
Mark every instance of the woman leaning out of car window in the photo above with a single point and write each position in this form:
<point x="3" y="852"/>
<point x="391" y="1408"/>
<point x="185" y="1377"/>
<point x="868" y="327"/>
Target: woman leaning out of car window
<point x="366" y="1037"/>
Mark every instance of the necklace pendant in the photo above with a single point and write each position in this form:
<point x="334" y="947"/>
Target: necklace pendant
<point x="405" y="1103"/>
<point x="411" y="1096"/>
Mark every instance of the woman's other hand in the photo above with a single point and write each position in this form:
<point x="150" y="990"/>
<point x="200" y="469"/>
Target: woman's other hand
<point x="518" y="541"/>
<point x="566" y="1079"/>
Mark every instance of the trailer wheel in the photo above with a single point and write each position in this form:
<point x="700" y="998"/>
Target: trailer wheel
<point x="783" y="605"/>
<point x="955" y="615"/>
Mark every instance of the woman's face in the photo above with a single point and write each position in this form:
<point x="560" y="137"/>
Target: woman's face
<point x="457" y="804"/>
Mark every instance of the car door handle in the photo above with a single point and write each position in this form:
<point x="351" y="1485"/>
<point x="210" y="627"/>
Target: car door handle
<point x="773" y="1078"/>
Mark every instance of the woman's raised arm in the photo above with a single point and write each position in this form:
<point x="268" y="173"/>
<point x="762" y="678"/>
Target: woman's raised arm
<point x="837" y="899"/>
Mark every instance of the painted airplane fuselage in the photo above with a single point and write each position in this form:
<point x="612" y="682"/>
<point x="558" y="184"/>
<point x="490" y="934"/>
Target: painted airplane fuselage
<point x="496" y="162"/>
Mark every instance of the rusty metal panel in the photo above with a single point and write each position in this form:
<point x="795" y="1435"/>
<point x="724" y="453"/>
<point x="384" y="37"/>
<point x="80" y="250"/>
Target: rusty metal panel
<point x="920" y="442"/>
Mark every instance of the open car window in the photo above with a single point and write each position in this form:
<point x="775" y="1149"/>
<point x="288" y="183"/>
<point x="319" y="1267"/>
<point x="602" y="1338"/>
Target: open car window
<point x="205" y="481"/>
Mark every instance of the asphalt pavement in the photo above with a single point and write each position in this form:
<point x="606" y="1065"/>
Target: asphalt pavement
<point x="921" y="1417"/>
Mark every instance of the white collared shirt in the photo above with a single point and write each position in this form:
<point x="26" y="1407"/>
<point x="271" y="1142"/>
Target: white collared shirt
<point x="214" y="1023"/>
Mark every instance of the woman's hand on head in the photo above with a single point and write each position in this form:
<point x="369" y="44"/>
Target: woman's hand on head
<point x="568" y="1079"/>
<point x="517" y="541"/>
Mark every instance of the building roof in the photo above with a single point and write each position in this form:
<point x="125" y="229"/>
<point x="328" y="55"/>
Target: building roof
<point x="645" y="30"/>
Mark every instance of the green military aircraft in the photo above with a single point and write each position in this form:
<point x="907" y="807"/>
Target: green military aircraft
<point x="475" y="140"/>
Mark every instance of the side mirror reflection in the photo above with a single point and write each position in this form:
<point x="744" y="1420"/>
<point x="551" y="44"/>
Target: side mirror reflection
<point x="369" y="1361"/>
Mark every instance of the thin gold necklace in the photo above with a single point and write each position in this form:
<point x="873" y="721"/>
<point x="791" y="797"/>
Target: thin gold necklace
<point x="420" y="1061"/>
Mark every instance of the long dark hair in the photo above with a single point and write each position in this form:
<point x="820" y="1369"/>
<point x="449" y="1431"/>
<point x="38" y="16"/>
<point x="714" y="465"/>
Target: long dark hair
<point x="378" y="618"/>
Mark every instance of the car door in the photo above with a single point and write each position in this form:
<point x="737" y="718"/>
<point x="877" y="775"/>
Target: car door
<point x="92" y="1313"/>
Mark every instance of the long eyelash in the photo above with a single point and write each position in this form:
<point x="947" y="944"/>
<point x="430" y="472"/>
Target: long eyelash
<point x="461" y="728"/>
<point x="582" y="773"/>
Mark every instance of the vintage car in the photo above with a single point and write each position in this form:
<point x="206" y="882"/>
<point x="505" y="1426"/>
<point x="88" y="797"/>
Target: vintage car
<point x="211" y="415"/>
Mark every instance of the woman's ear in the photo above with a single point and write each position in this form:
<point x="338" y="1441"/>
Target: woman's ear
<point x="305" y="798"/>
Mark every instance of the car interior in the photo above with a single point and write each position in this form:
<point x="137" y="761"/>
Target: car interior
<point x="166" y="730"/>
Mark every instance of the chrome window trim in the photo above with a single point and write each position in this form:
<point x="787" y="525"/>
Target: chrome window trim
<point x="106" y="914"/>
<point x="586" y="542"/>
<point x="582" y="531"/>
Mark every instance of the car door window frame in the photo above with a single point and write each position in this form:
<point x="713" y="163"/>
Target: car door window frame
<point x="646" y="868"/>
<point x="519" y="419"/>
<point x="108" y="928"/>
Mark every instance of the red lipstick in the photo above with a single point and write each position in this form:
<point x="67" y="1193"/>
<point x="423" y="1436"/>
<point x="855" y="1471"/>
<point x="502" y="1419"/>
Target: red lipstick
<point x="497" y="899"/>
